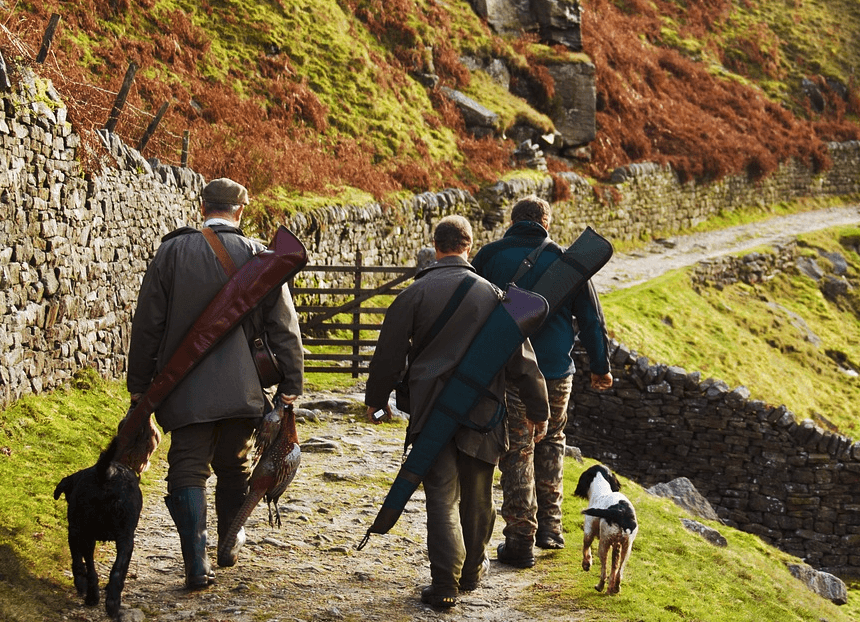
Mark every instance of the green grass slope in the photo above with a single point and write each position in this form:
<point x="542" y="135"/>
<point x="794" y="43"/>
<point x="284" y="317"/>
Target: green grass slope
<point x="675" y="575"/>
<point x="782" y="339"/>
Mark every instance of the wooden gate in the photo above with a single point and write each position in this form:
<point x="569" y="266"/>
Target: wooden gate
<point x="317" y="322"/>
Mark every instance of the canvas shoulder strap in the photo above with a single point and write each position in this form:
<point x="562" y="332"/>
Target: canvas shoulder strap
<point x="453" y="302"/>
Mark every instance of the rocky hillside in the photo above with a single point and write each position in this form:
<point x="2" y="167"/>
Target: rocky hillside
<point x="300" y="98"/>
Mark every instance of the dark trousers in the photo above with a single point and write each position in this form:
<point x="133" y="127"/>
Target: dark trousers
<point x="198" y="449"/>
<point x="460" y="515"/>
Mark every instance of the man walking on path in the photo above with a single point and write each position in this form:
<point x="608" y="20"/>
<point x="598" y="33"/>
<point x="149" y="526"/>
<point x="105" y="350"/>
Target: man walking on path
<point x="533" y="469"/>
<point x="458" y="486"/>
<point x="212" y="413"/>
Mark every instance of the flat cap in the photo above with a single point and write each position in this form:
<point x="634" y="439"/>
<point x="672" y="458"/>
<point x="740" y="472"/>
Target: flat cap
<point x="223" y="191"/>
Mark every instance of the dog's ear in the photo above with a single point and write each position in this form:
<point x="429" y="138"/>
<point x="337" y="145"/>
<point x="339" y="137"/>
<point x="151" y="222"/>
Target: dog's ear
<point x="65" y="486"/>
<point x="584" y="482"/>
<point x="614" y="484"/>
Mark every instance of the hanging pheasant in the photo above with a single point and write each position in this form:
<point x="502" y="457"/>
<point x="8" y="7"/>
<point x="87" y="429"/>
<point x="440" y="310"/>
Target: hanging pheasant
<point x="277" y="457"/>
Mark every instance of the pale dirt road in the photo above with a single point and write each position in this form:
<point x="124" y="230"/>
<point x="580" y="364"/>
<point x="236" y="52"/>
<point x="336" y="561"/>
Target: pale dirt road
<point x="659" y="257"/>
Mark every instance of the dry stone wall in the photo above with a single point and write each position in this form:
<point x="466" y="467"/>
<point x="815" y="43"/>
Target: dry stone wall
<point x="74" y="247"/>
<point x="645" y="200"/>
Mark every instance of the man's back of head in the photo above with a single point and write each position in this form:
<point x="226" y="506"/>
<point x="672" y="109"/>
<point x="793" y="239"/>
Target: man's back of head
<point x="453" y="235"/>
<point x="532" y="208"/>
<point x="223" y="196"/>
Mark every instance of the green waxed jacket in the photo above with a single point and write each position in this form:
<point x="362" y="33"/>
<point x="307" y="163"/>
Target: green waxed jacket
<point x="410" y="318"/>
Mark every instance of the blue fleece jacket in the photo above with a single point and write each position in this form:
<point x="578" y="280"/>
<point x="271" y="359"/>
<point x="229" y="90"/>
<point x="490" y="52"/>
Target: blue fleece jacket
<point x="553" y="343"/>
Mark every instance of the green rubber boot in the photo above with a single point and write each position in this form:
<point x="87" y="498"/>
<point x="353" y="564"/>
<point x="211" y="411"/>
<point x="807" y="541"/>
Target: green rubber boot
<point x="187" y="507"/>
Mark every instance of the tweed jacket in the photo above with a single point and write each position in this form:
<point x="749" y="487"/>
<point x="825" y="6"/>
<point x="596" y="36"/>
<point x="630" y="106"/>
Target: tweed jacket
<point x="406" y="323"/>
<point x="179" y="283"/>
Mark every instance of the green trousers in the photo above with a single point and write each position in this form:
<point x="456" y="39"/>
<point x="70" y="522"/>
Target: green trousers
<point x="460" y="515"/>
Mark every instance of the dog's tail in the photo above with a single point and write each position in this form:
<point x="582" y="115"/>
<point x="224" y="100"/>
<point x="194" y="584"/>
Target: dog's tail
<point x="621" y="514"/>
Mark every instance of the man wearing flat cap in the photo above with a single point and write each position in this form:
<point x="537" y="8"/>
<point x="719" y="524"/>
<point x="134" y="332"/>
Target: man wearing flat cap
<point x="212" y="413"/>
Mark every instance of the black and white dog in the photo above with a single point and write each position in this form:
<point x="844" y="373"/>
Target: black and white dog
<point x="610" y="518"/>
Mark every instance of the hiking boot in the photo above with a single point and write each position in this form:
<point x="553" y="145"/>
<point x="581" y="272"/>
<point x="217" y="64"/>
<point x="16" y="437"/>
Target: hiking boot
<point x="435" y="596"/>
<point x="548" y="540"/>
<point x="516" y="553"/>
<point x="470" y="583"/>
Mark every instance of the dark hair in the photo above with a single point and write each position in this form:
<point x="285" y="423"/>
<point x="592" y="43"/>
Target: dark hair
<point x="531" y="208"/>
<point x="453" y="234"/>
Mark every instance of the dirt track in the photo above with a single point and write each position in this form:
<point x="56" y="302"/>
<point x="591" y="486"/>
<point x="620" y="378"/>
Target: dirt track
<point x="628" y="269"/>
<point x="310" y="569"/>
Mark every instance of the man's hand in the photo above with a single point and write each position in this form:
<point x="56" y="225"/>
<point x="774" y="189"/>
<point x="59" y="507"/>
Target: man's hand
<point x="134" y="398"/>
<point x="601" y="382"/>
<point x="386" y="416"/>
<point x="288" y="399"/>
<point x="538" y="430"/>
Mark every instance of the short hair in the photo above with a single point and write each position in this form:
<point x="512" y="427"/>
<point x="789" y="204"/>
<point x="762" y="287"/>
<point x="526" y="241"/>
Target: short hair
<point x="219" y="208"/>
<point x="453" y="234"/>
<point x="531" y="208"/>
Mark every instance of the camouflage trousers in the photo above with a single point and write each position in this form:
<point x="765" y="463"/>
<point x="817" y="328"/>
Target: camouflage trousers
<point x="532" y="475"/>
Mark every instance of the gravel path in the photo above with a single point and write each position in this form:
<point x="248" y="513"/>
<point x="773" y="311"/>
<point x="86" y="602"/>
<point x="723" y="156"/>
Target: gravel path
<point x="310" y="570"/>
<point x="661" y="256"/>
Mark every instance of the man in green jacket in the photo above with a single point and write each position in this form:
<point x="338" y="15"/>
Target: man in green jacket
<point x="212" y="413"/>
<point x="458" y="487"/>
<point x="533" y="471"/>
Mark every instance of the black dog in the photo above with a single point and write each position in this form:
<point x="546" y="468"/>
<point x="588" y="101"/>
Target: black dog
<point x="104" y="505"/>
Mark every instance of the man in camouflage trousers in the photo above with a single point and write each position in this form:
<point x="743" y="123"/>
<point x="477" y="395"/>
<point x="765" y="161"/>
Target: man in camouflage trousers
<point x="532" y="473"/>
